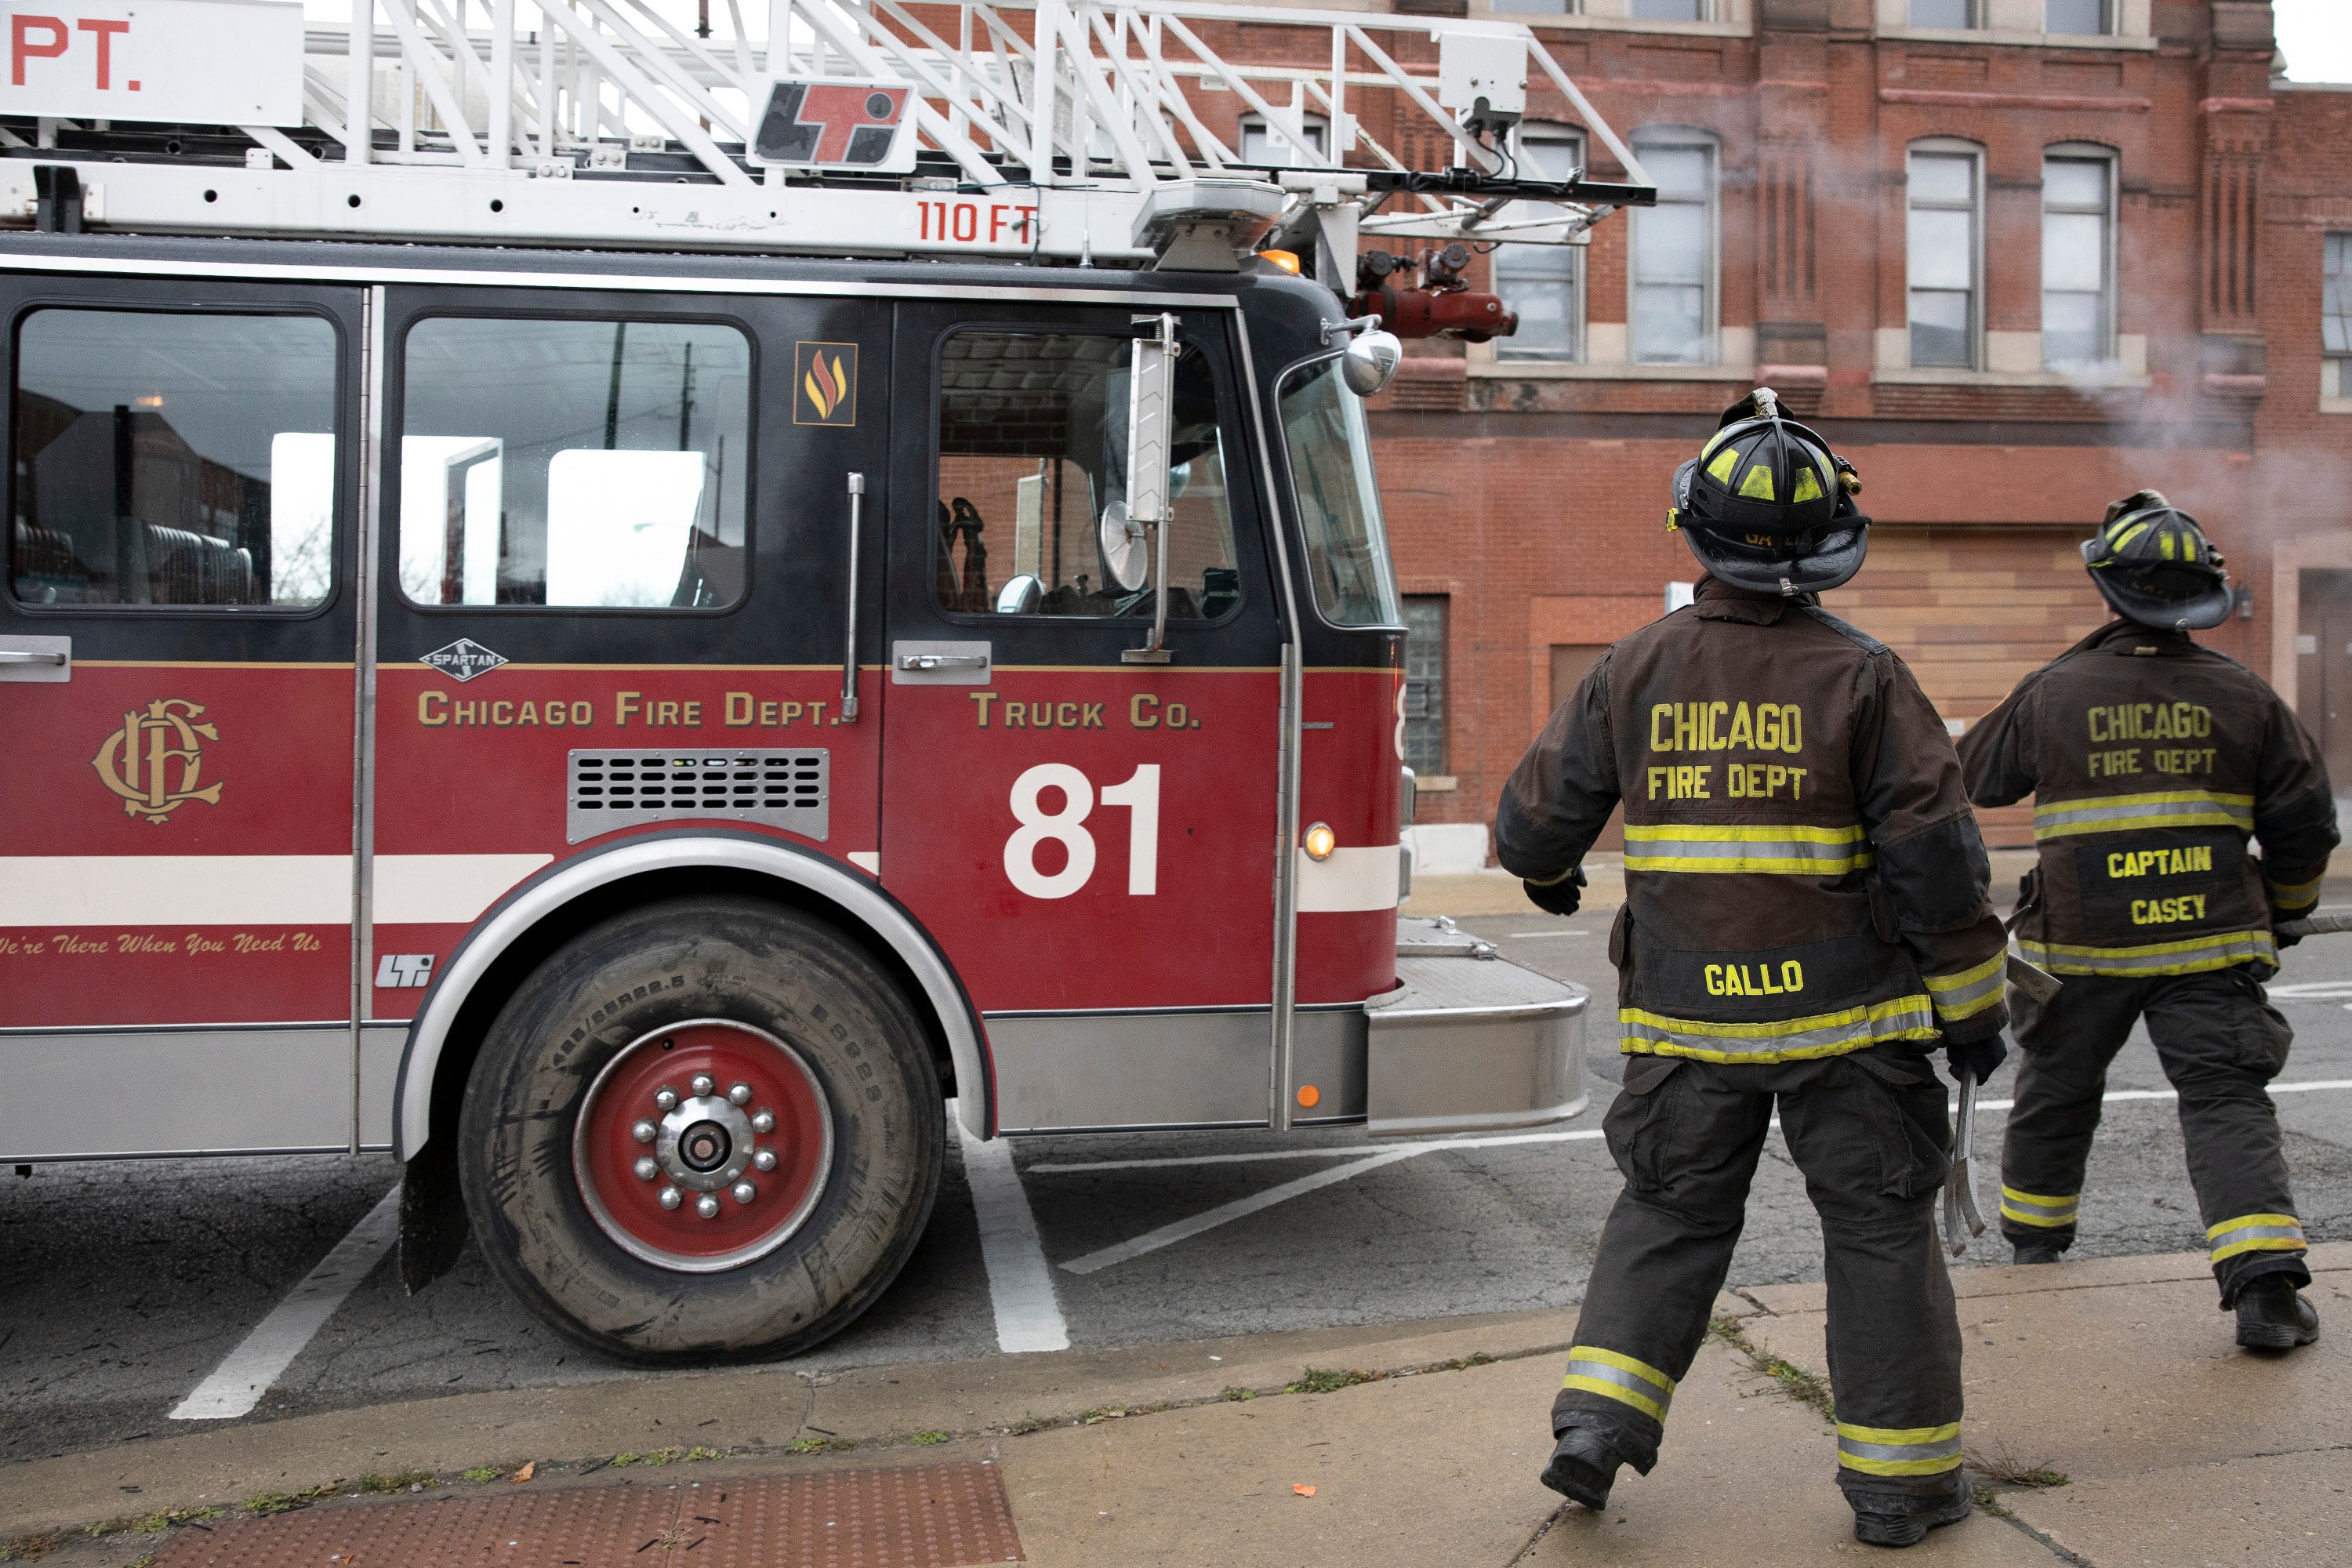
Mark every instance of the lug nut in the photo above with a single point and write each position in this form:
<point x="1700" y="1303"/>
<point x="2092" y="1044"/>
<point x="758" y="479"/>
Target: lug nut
<point x="666" y="1098"/>
<point x="765" y="1159"/>
<point x="745" y="1191"/>
<point x="706" y="1206"/>
<point x="763" y="1120"/>
<point x="646" y="1168"/>
<point x="644" y="1131"/>
<point x="703" y="1083"/>
<point x="740" y="1094"/>
<point x="669" y="1197"/>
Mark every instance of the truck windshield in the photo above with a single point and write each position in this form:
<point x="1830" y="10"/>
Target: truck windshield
<point x="1339" y="504"/>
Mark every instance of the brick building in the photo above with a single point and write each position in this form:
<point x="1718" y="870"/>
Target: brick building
<point x="2016" y="257"/>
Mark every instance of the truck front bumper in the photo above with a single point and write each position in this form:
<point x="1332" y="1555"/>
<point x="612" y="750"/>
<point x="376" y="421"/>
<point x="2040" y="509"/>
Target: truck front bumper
<point x="1468" y="1041"/>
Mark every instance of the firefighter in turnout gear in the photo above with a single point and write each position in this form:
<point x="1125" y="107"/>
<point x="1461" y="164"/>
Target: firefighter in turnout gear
<point x="1805" y="920"/>
<point x="2151" y="760"/>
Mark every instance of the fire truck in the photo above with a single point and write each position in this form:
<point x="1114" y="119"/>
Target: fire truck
<point x="640" y="615"/>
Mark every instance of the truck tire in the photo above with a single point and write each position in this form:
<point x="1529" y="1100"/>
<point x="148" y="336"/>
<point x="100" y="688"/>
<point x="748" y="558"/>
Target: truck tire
<point x="707" y="1129"/>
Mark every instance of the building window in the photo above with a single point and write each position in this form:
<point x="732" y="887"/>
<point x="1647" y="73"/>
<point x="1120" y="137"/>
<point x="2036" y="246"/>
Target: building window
<point x="1674" y="252"/>
<point x="175" y="461"/>
<point x="1424" y="685"/>
<point x="2335" y="314"/>
<point x="1668" y="11"/>
<point x="1269" y="147"/>
<point x="1543" y="283"/>
<point x="1942" y="250"/>
<point x="1955" y="14"/>
<point x="2090" y="18"/>
<point x="2077" y="261"/>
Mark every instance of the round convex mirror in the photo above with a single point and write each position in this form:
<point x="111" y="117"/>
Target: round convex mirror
<point x="1020" y="597"/>
<point x="1124" y="554"/>
<point x="1369" y="360"/>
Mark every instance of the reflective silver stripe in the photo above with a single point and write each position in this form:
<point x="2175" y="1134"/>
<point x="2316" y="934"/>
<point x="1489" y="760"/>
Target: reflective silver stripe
<point x="1959" y="1001"/>
<point x="1710" y="847"/>
<point x="1601" y="1371"/>
<point x="1902" y="1018"/>
<point x="2189" y="956"/>
<point x="2122" y="813"/>
<point x="1921" y="1454"/>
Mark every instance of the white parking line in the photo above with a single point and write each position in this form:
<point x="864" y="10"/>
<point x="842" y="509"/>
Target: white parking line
<point x="1225" y="1214"/>
<point x="1533" y="935"/>
<point x="238" y="1385"/>
<point x="1020" y="1285"/>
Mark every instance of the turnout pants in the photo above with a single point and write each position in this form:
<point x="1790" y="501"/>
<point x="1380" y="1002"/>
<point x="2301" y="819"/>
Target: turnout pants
<point x="2221" y="1042"/>
<point x="1870" y="1131"/>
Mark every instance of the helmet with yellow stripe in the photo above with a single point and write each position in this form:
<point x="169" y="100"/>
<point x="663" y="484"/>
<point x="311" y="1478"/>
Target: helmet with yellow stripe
<point x="2155" y="566"/>
<point x="1765" y="505"/>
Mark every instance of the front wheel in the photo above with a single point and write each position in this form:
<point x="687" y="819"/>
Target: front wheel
<point x="705" y="1129"/>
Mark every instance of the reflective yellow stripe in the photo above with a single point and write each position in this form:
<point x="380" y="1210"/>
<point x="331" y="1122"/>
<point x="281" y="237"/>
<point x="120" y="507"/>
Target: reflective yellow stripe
<point x="2191" y="955"/>
<point x="1613" y="1375"/>
<point x="2034" y="1208"/>
<point x="2294" y="894"/>
<point x="2126" y="813"/>
<point x="1644" y="1033"/>
<point x="1971" y="992"/>
<point x="1791" y="850"/>
<point x="2255" y="1233"/>
<point x="1899" y="1451"/>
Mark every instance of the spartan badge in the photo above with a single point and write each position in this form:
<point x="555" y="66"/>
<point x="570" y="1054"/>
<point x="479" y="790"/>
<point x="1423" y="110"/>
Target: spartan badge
<point x="153" y="761"/>
<point x="463" y="659"/>
<point x="825" y="381"/>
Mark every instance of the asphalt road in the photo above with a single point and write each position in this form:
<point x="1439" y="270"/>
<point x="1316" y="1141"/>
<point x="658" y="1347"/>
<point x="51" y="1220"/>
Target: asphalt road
<point x="124" y="1286"/>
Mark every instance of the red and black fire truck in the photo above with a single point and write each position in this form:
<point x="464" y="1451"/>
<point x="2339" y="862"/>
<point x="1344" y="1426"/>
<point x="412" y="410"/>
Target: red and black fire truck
<point x="631" y="626"/>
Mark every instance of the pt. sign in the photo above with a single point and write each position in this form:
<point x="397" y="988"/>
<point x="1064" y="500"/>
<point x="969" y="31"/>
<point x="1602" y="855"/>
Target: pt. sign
<point x="219" y="62"/>
<point x="1139" y="793"/>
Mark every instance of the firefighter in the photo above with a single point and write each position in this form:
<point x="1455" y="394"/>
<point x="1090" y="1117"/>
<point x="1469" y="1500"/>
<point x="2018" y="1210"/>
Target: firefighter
<point x="1805" y="921"/>
<point x="2151" y="760"/>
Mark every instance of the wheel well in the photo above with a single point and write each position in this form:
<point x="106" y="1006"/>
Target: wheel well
<point x="526" y="952"/>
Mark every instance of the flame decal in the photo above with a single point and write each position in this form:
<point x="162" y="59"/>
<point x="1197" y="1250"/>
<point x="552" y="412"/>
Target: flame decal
<point x="824" y="385"/>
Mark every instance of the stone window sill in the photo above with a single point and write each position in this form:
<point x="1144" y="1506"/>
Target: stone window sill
<point x="1612" y="24"/>
<point x="2016" y="40"/>
<point x="1573" y="370"/>
<point x="1435" y="784"/>
<point x="2335" y="406"/>
<point x="2089" y="381"/>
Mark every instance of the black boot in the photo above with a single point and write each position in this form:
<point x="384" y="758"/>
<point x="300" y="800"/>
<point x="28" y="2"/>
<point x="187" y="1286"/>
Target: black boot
<point x="2034" y="1252"/>
<point x="1900" y="1518"/>
<point x="2272" y="1316"/>
<point x="1583" y="1467"/>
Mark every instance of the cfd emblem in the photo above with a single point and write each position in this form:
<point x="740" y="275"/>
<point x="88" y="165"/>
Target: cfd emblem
<point x="827" y="383"/>
<point x="154" y="759"/>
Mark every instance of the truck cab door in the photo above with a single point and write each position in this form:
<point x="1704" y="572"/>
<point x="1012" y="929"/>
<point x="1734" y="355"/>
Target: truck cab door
<point x="1091" y="839"/>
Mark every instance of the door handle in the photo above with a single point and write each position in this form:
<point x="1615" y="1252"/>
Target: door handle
<point x="942" y="661"/>
<point x="849" y="651"/>
<point x="36" y="660"/>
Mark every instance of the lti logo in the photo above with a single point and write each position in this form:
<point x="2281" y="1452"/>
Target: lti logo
<point x="404" y="972"/>
<point x="154" y="759"/>
<point x="825" y="376"/>
<point x="831" y="124"/>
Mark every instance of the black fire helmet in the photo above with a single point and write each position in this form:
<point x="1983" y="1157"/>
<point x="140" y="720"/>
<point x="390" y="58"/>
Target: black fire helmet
<point x="1767" y="506"/>
<point x="2155" y="566"/>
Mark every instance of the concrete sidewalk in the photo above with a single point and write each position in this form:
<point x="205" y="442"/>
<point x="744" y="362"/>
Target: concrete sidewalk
<point x="2111" y="1419"/>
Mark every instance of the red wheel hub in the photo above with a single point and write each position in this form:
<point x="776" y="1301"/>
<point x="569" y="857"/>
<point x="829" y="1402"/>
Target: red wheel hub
<point x="703" y="1146"/>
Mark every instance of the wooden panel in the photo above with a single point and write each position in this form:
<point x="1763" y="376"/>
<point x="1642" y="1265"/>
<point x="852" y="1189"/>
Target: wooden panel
<point x="1973" y="611"/>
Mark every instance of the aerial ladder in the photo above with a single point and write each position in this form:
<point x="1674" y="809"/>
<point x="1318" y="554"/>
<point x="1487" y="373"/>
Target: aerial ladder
<point x="1049" y="132"/>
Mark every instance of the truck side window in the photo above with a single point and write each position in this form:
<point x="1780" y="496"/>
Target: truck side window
<point x="1033" y="448"/>
<point x="174" y="460"/>
<point x="586" y="464"/>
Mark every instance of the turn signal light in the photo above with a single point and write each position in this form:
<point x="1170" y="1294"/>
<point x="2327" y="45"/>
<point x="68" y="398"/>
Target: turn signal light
<point x="1286" y="260"/>
<point x="1319" y="841"/>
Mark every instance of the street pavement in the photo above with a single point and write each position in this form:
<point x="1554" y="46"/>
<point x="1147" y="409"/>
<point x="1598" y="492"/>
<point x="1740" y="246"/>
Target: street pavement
<point x="123" y="1287"/>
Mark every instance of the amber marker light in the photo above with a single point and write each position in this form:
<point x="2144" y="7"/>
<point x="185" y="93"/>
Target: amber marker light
<point x="1319" y="841"/>
<point x="1286" y="260"/>
<point x="1309" y="1096"/>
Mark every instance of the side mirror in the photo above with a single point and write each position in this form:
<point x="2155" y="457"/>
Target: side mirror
<point x="1370" y="362"/>
<point x="1150" y="419"/>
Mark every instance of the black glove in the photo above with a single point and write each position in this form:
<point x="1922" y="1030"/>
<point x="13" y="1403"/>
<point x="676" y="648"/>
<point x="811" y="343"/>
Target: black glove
<point x="1979" y="1058"/>
<point x="1560" y="898"/>
<point x="2280" y="935"/>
